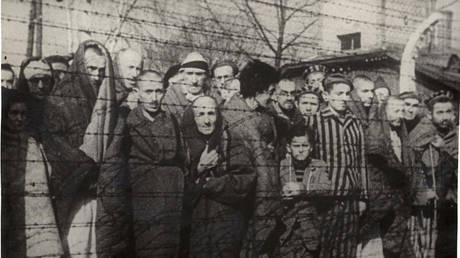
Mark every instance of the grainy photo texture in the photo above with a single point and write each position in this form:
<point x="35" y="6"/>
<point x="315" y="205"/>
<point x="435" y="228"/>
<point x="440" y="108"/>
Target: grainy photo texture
<point x="229" y="128"/>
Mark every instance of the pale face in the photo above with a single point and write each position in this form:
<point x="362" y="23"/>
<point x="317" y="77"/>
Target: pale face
<point x="285" y="94"/>
<point x="151" y="92"/>
<point x="315" y="81"/>
<point x="411" y="108"/>
<point x="205" y="113"/>
<point x="443" y="115"/>
<point x="95" y="67"/>
<point x="222" y="75"/>
<point x="395" y="112"/>
<point x="381" y="94"/>
<point x="130" y="65"/>
<point x="16" y="119"/>
<point x="7" y="79"/>
<point x="365" y="92"/>
<point x="308" y="104"/>
<point x="300" y="147"/>
<point x="338" y="97"/>
<point x="193" y="80"/>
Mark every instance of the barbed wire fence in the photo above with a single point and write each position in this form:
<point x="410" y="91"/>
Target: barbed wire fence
<point x="217" y="38"/>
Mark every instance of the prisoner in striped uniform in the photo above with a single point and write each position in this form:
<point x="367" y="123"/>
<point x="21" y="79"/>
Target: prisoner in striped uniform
<point x="341" y="146"/>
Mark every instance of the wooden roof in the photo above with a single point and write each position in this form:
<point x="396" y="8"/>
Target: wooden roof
<point x="443" y="68"/>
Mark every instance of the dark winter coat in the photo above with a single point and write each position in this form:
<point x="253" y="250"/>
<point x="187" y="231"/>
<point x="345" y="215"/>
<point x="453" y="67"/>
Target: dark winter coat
<point x="218" y="224"/>
<point x="113" y="216"/>
<point x="14" y="152"/>
<point x="283" y="125"/>
<point x="303" y="214"/>
<point x="265" y="207"/>
<point x="67" y="115"/>
<point x="358" y="109"/>
<point x="391" y="187"/>
<point x="156" y="182"/>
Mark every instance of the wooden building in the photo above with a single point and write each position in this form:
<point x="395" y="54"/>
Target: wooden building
<point x="433" y="71"/>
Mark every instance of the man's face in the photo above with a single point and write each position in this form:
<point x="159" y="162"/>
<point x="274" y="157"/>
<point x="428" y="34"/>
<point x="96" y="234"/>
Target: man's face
<point x="151" y="92"/>
<point x="222" y="75"/>
<point x="40" y="85"/>
<point x="17" y="115"/>
<point x="300" y="148"/>
<point x="205" y="113"/>
<point x="395" y="112"/>
<point x="130" y="65"/>
<point x="229" y="89"/>
<point x="338" y="96"/>
<point x="308" y="104"/>
<point x="365" y="92"/>
<point x="7" y="79"/>
<point x="315" y="81"/>
<point x="411" y="108"/>
<point x="263" y="98"/>
<point x="95" y="67"/>
<point x="443" y="115"/>
<point x="285" y="94"/>
<point x="193" y="79"/>
<point x="381" y="94"/>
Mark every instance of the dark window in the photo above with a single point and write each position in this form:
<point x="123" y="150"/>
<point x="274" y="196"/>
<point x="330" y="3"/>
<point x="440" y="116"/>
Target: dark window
<point x="350" y="41"/>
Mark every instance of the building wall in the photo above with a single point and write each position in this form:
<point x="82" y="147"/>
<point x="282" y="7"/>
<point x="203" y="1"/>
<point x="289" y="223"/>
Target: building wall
<point x="344" y="17"/>
<point x="65" y="25"/>
<point x="386" y="22"/>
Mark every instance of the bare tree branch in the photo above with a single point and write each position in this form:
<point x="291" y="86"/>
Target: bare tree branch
<point x="306" y="27"/>
<point x="296" y="10"/>
<point x="116" y="31"/>
<point x="261" y="30"/>
<point x="216" y="21"/>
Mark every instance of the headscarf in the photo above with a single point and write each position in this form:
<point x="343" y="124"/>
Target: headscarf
<point x="32" y="65"/>
<point x="99" y="132"/>
<point x="195" y="140"/>
<point x="29" y="67"/>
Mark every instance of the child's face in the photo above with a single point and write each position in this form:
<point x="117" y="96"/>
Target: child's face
<point x="17" y="117"/>
<point x="300" y="147"/>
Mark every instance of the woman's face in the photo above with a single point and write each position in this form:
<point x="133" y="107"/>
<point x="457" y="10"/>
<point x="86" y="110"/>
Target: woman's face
<point x="205" y="113"/>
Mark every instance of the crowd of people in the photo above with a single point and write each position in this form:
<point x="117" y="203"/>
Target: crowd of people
<point x="104" y="158"/>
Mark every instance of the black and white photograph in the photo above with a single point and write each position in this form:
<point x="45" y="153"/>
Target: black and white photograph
<point x="229" y="128"/>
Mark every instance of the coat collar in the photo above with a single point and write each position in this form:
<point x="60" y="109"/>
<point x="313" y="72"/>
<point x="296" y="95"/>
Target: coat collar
<point x="136" y="117"/>
<point x="328" y="112"/>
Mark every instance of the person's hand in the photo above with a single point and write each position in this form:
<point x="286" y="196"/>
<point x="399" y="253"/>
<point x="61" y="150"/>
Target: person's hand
<point x="362" y="207"/>
<point x="438" y="142"/>
<point x="207" y="160"/>
<point x="292" y="189"/>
